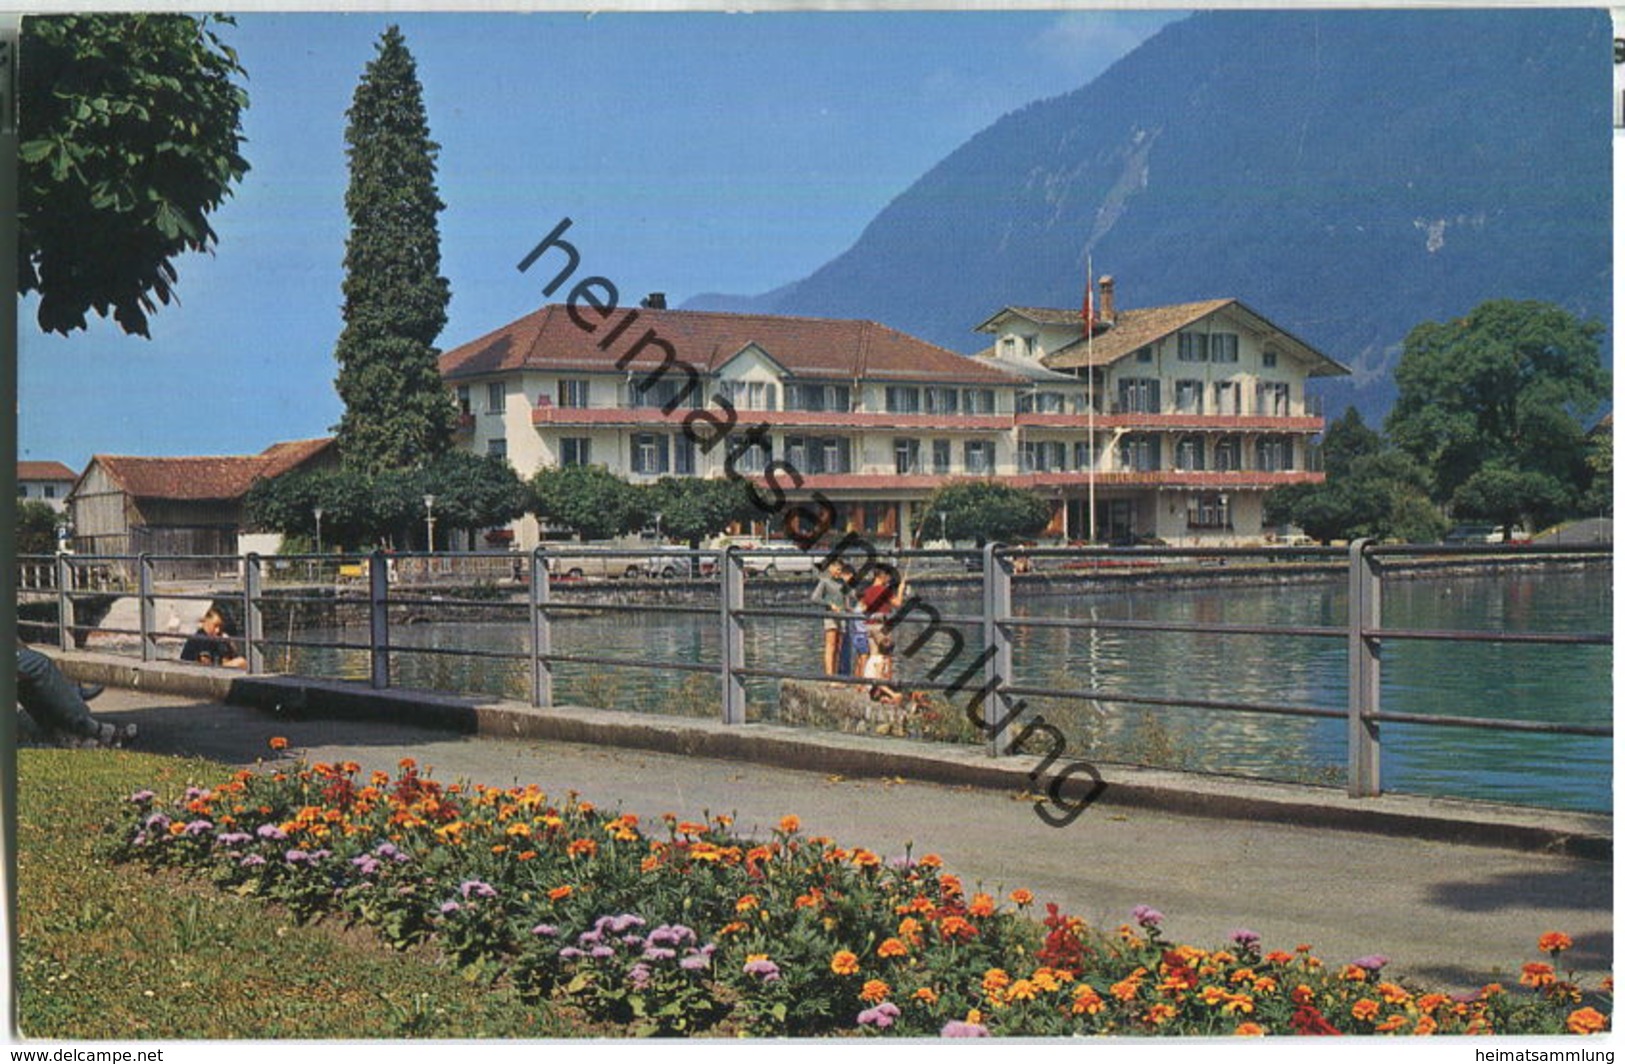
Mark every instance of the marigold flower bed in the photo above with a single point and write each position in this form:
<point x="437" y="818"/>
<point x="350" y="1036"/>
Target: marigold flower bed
<point x="683" y="927"/>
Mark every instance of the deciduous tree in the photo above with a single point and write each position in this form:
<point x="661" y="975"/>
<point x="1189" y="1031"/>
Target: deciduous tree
<point x="590" y="501"/>
<point x="985" y="511"/>
<point x="131" y="126"/>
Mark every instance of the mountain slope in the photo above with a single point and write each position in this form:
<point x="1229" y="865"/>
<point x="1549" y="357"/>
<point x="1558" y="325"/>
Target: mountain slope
<point x="1349" y="174"/>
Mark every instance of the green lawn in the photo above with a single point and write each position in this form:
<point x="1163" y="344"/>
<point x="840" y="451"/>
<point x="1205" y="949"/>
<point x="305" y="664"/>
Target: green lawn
<point x="113" y="952"/>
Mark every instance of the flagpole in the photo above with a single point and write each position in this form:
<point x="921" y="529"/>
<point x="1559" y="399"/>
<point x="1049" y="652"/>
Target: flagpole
<point x="1089" y="368"/>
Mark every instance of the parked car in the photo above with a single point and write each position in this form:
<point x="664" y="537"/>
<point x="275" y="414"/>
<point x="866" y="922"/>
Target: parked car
<point x="562" y="564"/>
<point x="1485" y="532"/>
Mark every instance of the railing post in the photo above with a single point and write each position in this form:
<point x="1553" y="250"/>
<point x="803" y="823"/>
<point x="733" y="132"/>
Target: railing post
<point x="731" y="571"/>
<point x="541" y="632"/>
<point x="1365" y="672"/>
<point x="64" y="602"/>
<point x="146" y="607"/>
<point x="253" y="617"/>
<point x="378" y="613"/>
<point x="996" y="709"/>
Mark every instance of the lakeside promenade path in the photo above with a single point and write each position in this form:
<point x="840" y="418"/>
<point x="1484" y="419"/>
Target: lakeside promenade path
<point x="1447" y="914"/>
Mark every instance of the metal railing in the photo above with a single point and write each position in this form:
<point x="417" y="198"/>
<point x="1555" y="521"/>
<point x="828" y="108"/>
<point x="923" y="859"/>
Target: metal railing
<point x="376" y="584"/>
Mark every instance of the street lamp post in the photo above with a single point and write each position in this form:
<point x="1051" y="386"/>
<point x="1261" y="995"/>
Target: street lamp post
<point x="318" y="512"/>
<point x="428" y="505"/>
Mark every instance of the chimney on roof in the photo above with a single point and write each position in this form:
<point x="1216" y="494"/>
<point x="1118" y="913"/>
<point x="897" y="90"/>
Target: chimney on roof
<point x="1108" y="308"/>
<point x="654" y="301"/>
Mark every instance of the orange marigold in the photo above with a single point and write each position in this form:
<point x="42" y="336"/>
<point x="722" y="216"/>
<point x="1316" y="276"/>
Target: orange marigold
<point x="581" y="846"/>
<point x="1278" y="957"/>
<point x="1555" y="942"/>
<point x="1023" y="990"/>
<point x="560" y="893"/>
<point x="1586" y="1021"/>
<point x="689" y="827"/>
<point x="950" y="884"/>
<point x="926" y="994"/>
<point x="1392" y="1023"/>
<point x="930" y="860"/>
<point x="1393" y="993"/>
<point x="790" y="824"/>
<point x="1537" y="974"/>
<point x="957" y="927"/>
<point x="892" y="947"/>
<point x="1021" y="896"/>
<point x="1425" y="1026"/>
<point x="278" y="743"/>
<point x="995" y="979"/>
<point x="1429" y="1002"/>
<point x="1365" y="1009"/>
<point x="1249" y="1030"/>
<point x="1087" y="1000"/>
<point x="746" y="903"/>
<point x="1160" y="1013"/>
<point x="981" y="905"/>
<point x="875" y="991"/>
<point x="845" y="962"/>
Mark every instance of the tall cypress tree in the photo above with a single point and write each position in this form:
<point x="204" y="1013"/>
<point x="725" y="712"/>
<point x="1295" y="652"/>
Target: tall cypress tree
<point x="397" y="412"/>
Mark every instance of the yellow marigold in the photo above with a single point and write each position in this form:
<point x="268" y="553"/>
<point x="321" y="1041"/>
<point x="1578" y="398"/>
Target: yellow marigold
<point x="1249" y="1030"/>
<point x="790" y="824"/>
<point x="1586" y="1021"/>
<point x="689" y="827"/>
<point x="746" y="903"/>
<point x="1086" y="1000"/>
<point x="1212" y="995"/>
<point x="973" y="1016"/>
<point x="560" y="893"/>
<point x="1126" y="989"/>
<point x="519" y="828"/>
<point x="1021" y="896"/>
<point x="1047" y="979"/>
<point x="845" y="962"/>
<point x="930" y="860"/>
<point x="1393" y="993"/>
<point x="1023" y="990"/>
<point x="1365" y="1009"/>
<point x="581" y="846"/>
<point x="1537" y="974"/>
<point x="981" y="905"/>
<point x="875" y="991"/>
<point x="995" y="979"/>
<point x="1238" y="1003"/>
<point x="1429" y="1002"/>
<point x="1160" y="1013"/>
<point x="926" y="994"/>
<point x="1555" y="942"/>
<point x="892" y="947"/>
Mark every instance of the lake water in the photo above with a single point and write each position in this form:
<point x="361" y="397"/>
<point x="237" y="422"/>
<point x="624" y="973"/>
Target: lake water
<point x="1541" y="683"/>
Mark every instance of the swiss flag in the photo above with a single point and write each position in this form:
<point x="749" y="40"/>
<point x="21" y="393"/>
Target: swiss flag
<point x="1089" y="301"/>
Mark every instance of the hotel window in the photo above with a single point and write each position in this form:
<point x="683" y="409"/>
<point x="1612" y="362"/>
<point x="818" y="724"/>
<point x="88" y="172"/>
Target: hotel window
<point x="1139" y="395"/>
<point x="1227" y="454"/>
<point x="1274" y="399"/>
<point x="1269" y="359"/>
<point x="1188" y="397"/>
<point x="978" y="456"/>
<point x="902" y="400"/>
<point x="942" y="400"/>
<point x="1274" y="454"/>
<point x="1227" y="398"/>
<point x="753" y="457"/>
<point x="942" y="456"/>
<point x="682" y="455"/>
<point x="1224" y="347"/>
<point x="574" y="393"/>
<point x="651" y="453"/>
<point x="795" y="453"/>
<point x="979" y="401"/>
<point x="497" y="448"/>
<point x="837" y="455"/>
<point x="465" y="399"/>
<point x="1190" y="454"/>
<point x="1083" y="456"/>
<point x="22" y="491"/>
<point x="1193" y="347"/>
<point x="1143" y="355"/>
<point x="664" y="391"/>
<point x="907" y="455"/>
<point x="575" y="450"/>
<point x="818" y="397"/>
<point x="1208" y="511"/>
<point x="751" y="395"/>
<point x="1040" y="403"/>
<point x="1043" y="456"/>
<point x="1140" y="453"/>
<point x="496" y="397"/>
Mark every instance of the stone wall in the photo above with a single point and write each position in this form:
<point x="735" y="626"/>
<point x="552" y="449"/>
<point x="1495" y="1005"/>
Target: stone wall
<point x="841" y="707"/>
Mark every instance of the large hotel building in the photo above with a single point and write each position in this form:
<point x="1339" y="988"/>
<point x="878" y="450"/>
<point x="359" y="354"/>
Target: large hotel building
<point x="1167" y="422"/>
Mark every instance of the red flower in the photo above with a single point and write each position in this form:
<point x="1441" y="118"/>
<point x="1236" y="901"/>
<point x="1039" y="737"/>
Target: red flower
<point x="1309" y="1020"/>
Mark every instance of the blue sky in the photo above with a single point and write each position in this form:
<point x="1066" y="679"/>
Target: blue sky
<point x="694" y="153"/>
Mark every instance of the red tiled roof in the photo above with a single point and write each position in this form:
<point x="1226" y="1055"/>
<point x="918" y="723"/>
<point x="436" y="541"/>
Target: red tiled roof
<point x="814" y="348"/>
<point x="32" y="471"/>
<point x="208" y="477"/>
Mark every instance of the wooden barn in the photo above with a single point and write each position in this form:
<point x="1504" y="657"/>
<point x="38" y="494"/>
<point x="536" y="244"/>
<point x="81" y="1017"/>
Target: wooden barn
<point x="124" y="505"/>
